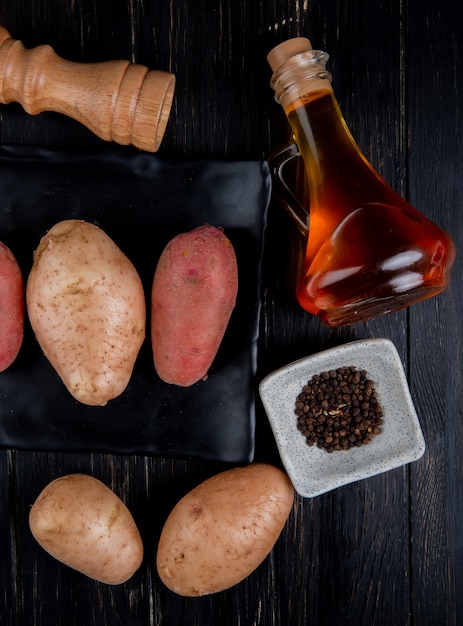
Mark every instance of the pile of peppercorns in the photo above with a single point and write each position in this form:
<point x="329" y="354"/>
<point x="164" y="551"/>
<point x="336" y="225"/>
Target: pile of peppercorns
<point x="339" y="410"/>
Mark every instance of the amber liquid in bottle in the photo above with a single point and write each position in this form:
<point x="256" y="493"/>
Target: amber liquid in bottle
<point x="369" y="251"/>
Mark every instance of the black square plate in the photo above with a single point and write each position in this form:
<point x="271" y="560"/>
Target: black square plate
<point x="141" y="201"/>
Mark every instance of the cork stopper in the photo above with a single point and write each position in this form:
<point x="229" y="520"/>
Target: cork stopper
<point x="284" y="51"/>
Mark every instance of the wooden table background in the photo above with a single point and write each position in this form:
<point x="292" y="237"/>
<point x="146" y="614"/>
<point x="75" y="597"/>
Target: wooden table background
<point x="387" y="550"/>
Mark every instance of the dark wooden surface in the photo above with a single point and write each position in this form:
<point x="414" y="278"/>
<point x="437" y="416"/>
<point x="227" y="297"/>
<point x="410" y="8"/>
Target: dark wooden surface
<point x="384" y="551"/>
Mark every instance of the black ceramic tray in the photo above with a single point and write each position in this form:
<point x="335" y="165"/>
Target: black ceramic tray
<point x="141" y="201"/>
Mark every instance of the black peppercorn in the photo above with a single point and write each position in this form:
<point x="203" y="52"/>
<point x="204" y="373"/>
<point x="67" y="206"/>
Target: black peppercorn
<point x="339" y="410"/>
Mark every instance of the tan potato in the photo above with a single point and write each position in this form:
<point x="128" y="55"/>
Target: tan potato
<point x="223" y="529"/>
<point x="82" y="523"/>
<point x="87" y="307"/>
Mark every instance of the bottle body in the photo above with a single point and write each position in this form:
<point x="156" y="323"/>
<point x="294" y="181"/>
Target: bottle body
<point x="369" y="252"/>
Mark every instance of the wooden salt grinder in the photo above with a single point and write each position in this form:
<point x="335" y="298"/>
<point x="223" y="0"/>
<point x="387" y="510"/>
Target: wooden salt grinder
<point x="117" y="100"/>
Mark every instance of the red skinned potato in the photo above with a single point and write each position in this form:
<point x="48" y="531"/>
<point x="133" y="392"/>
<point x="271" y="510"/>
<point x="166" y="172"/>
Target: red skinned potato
<point x="221" y="531"/>
<point x="11" y="307"/>
<point x="193" y="296"/>
<point x="86" y="305"/>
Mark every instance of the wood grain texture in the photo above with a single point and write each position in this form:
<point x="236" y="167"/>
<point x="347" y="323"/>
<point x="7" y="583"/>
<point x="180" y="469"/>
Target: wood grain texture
<point x="436" y="184"/>
<point x="383" y="551"/>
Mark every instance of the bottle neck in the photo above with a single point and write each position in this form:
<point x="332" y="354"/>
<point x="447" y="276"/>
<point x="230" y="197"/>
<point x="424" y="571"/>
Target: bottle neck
<point x="300" y="75"/>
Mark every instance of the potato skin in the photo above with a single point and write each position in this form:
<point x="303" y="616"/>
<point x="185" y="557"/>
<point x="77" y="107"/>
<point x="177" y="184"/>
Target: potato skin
<point x="11" y="307"/>
<point x="193" y="296"/>
<point x="223" y="529"/>
<point x="82" y="523"/>
<point x="87" y="307"/>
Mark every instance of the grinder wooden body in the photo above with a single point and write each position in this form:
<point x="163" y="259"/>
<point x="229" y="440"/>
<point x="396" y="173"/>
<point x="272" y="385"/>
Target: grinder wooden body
<point x="117" y="100"/>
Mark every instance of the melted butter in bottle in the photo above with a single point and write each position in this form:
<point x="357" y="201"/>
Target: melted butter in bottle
<point x="369" y="252"/>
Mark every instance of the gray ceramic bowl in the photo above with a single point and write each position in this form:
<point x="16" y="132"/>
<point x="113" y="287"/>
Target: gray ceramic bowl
<point x="314" y="471"/>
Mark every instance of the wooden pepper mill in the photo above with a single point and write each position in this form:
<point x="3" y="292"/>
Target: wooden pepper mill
<point x="117" y="100"/>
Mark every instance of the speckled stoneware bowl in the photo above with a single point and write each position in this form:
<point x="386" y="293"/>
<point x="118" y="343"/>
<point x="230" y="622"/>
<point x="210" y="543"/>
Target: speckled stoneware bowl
<point x="314" y="471"/>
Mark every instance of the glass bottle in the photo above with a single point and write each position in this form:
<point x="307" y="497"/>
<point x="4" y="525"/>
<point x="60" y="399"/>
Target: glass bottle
<point x="369" y="252"/>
